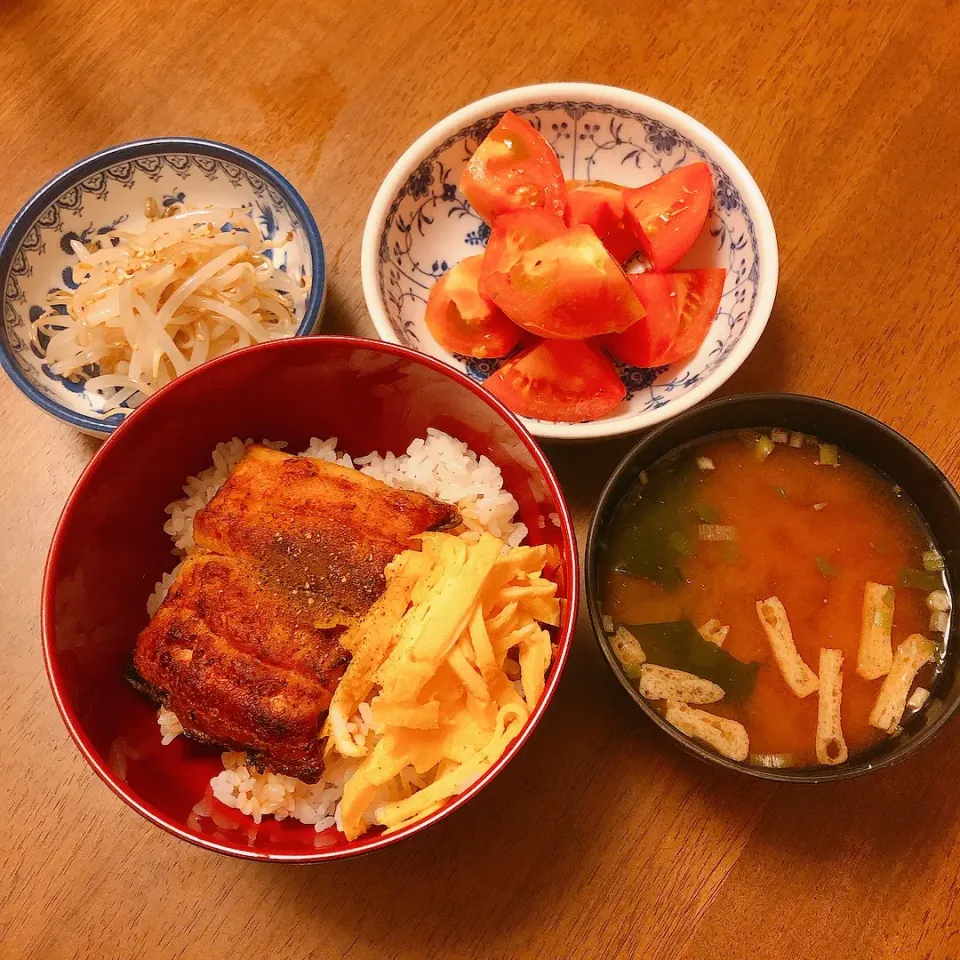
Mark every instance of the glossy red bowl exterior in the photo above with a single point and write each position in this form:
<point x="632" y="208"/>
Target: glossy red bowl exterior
<point x="109" y="549"/>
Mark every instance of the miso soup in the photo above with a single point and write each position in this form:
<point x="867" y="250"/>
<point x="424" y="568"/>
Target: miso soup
<point x="775" y="599"/>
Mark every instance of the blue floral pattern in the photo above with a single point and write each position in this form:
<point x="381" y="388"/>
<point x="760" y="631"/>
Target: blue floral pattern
<point x="430" y="224"/>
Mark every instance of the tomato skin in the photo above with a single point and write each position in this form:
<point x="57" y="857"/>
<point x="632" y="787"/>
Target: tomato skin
<point x="566" y="288"/>
<point x="680" y="308"/>
<point x="669" y="213"/>
<point x="514" y="169"/>
<point x="558" y="380"/>
<point x="601" y="205"/>
<point x="461" y="321"/>
<point x="701" y="291"/>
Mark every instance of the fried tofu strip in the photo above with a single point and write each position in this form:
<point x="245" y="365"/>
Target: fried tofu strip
<point x="911" y="655"/>
<point x="798" y="676"/>
<point x="665" y="683"/>
<point x="875" y="656"/>
<point x="918" y="698"/>
<point x="628" y="651"/>
<point x="713" y="631"/>
<point x="831" y="747"/>
<point x="727" y="737"/>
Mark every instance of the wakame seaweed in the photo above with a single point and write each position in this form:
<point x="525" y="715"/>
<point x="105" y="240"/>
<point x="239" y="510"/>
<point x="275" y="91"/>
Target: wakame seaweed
<point x="655" y="526"/>
<point x="678" y="645"/>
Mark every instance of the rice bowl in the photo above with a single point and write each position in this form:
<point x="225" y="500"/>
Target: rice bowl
<point x="371" y="395"/>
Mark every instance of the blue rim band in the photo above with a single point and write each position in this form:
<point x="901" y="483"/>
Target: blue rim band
<point x="28" y="213"/>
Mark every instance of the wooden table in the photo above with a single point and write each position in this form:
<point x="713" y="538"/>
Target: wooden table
<point x="602" y="840"/>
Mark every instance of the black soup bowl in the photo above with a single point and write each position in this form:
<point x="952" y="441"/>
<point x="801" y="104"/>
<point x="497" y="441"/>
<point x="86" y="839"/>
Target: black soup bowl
<point x="872" y="442"/>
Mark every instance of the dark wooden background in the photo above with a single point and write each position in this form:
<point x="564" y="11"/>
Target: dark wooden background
<point x="602" y="839"/>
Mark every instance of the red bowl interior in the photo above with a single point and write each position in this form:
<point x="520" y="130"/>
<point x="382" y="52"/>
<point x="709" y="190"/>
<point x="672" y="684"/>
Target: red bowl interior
<point x="109" y="549"/>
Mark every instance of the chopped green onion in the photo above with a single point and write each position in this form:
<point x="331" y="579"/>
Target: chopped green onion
<point x="897" y="491"/>
<point x="643" y="476"/>
<point x="763" y="448"/>
<point x="705" y="463"/>
<point x="781" y="493"/>
<point x="774" y="761"/>
<point x="730" y="551"/>
<point x="819" y="506"/>
<point x="796" y="440"/>
<point x="679" y="543"/>
<point x="824" y="566"/>
<point x="607" y="623"/>
<point x="938" y="600"/>
<point x="921" y="580"/>
<point x="883" y="615"/>
<point x="716" y="532"/>
<point x="779" y="436"/>
<point x="939" y="621"/>
<point x="707" y="513"/>
<point x="932" y="561"/>
<point x="829" y="456"/>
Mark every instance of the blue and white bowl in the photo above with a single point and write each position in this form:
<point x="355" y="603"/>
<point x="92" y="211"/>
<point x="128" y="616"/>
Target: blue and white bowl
<point x="420" y="224"/>
<point x="111" y="188"/>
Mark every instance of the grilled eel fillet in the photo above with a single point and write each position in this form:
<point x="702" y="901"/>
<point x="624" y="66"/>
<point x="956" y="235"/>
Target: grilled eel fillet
<point x="289" y="553"/>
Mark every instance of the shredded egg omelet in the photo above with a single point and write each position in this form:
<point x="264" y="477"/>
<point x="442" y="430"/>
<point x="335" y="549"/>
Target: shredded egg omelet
<point x="436" y="658"/>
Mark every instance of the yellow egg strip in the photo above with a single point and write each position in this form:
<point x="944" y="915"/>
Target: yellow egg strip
<point x="427" y="639"/>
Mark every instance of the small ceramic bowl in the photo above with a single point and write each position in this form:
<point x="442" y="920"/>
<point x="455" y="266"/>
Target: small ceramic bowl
<point x="111" y="188"/>
<point x="109" y="549"/>
<point x="872" y="442"/>
<point x="420" y="225"/>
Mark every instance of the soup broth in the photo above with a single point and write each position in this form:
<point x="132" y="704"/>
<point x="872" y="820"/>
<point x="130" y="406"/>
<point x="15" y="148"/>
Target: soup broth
<point x="716" y="528"/>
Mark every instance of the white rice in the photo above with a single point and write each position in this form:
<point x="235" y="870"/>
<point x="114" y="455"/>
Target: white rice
<point x="439" y="466"/>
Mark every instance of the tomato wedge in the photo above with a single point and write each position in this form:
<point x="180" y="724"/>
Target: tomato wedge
<point x="565" y="288"/>
<point x="600" y="205"/>
<point x="669" y="213"/>
<point x="680" y="308"/>
<point x="558" y="380"/>
<point x="461" y="321"/>
<point x="512" y="235"/>
<point x="514" y="169"/>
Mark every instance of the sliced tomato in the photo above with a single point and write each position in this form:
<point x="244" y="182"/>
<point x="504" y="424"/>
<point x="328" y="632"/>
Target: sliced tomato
<point x="669" y="213"/>
<point x="566" y="288"/>
<point x="461" y="321"/>
<point x="511" y="236"/>
<point x="600" y="205"/>
<point x="680" y="308"/>
<point x="558" y="380"/>
<point x="514" y="169"/>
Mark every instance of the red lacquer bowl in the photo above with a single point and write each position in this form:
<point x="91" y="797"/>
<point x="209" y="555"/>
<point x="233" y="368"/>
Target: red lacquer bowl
<point x="109" y="549"/>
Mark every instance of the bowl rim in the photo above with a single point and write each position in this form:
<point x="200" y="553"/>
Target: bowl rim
<point x="803" y="775"/>
<point x="27" y="215"/>
<point x="621" y="97"/>
<point x="571" y="568"/>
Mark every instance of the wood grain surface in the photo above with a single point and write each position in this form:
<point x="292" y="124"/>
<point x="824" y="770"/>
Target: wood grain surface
<point x="602" y="839"/>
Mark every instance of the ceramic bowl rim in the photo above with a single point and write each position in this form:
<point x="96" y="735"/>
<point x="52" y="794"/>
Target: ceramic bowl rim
<point x="151" y="813"/>
<point x="27" y="215"/>
<point x="625" y="99"/>
<point x="605" y="504"/>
